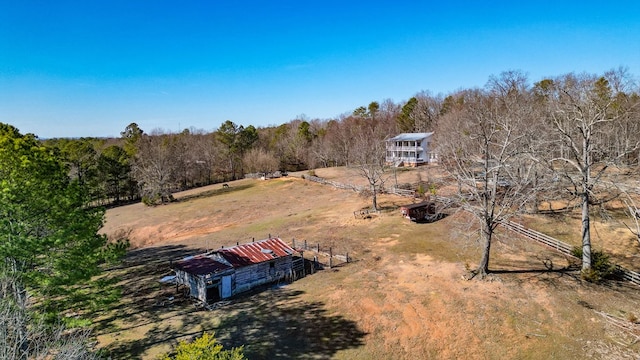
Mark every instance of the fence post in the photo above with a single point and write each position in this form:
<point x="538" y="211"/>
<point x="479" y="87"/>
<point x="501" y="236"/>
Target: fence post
<point x="347" y="257"/>
<point x="330" y="257"/>
<point x="294" y="243"/>
<point x="318" y="247"/>
<point x="305" y="245"/>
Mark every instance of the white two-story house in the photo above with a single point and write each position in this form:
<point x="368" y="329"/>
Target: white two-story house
<point x="410" y="149"/>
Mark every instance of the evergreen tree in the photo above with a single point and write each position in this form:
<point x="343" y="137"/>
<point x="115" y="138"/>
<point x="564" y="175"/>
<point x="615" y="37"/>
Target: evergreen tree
<point x="48" y="232"/>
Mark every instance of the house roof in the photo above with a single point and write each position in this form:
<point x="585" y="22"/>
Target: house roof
<point x="255" y="252"/>
<point x="200" y="265"/>
<point x="234" y="257"/>
<point x="410" y="136"/>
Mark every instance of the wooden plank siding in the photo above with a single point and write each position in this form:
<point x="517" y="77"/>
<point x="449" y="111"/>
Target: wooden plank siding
<point x="248" y="277"/>
<point x="249" y="265"/>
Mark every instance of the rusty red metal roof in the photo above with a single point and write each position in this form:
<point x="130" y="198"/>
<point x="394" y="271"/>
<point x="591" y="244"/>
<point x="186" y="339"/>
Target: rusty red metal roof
<point x="201" y="265"/>
<point x="236" y="256"/>
<point x="255" y="252"/>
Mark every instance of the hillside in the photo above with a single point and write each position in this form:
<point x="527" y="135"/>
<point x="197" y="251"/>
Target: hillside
<point x="405" y="295"/>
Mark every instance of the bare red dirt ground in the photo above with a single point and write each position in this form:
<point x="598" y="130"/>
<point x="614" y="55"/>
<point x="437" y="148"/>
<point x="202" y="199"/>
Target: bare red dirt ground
<point x="405" y="296"/>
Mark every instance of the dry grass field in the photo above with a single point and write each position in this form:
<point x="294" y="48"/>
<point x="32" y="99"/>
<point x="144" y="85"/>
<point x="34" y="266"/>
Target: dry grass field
<point x="404" y="297"/>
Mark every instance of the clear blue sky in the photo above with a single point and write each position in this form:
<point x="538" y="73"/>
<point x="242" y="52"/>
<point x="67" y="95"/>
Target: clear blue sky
<point x="89" y="68"/>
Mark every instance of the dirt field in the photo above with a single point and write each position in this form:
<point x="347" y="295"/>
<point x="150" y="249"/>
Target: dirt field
<point x="404" y="297"/>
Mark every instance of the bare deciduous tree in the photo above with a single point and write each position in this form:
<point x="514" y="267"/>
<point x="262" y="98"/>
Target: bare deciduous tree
<point x="368" y="157"/>
<point x="633" y="214"/>
<point x="427" y="111"/>
<point x="322" y="152"/>
<point x="209" y="157"/>
<point x="486" y="147"/>
<point x="260" y="161"/>
<point x="154" y="166"/>
<point x="585" y="113"/>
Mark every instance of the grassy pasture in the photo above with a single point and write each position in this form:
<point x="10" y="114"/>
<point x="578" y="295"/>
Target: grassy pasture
<point x="404" y="296"/>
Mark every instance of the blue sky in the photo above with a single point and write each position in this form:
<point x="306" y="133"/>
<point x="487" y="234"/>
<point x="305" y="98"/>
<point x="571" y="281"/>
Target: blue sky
<point x="89" y="68"/>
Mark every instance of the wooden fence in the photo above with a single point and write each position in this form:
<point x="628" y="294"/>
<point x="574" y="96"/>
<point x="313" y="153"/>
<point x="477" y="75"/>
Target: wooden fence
<point x="335" y="184"/>
<point x="297" y="268"/>
<point x="626" y="274"/>
<point x="323" y="256"/>
<point x="401" y="192"/>
<point x="629" y="275"/>
<point x="260" y="175"/>
<point x="539" y="237"/>
<point x="357" y="188"/>
<point x="364" y="214"/>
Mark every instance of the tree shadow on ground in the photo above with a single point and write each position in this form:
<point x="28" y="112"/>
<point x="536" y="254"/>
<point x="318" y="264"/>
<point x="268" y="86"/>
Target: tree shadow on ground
<point x="214" y="192"/>
<point x="142" y="294"/>
<point x="432" y="218"/>
<point x="158" y="334"/>
<point x="278" y="324"/>
<point x="271" y="324"/>
<point x="546" y="270"/>
<point x="558" y="273"/>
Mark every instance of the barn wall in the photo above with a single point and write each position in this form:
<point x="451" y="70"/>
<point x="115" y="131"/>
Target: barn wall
<point x="251" y="276"/>
<point x="195" y="283"/>
<point x="213" y="280"/>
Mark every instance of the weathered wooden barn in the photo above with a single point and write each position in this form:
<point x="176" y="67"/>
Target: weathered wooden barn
<point x="420" y="211"/>
<point x="225" y="272"/>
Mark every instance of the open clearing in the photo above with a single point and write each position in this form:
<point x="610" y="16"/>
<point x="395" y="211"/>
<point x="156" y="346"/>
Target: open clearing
<point x="404" y="297"/>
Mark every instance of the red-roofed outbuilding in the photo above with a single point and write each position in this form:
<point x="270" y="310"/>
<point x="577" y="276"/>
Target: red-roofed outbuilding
<point x="225" y="272"/>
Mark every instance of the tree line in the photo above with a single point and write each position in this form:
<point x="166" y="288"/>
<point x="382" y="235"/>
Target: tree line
<point x="557" y="138"/>
<point x="153" y="163"/>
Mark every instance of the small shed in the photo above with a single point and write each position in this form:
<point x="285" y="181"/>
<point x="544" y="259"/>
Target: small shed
<point x="225" y="272"/>
<point x="420" y="211"/>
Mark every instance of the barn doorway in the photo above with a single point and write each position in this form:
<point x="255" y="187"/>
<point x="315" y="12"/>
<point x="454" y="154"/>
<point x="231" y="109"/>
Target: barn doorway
<point x="213" y="293"/>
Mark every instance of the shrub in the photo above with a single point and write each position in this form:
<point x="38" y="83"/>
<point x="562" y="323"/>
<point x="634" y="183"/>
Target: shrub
<point x="157" y="199"/>
<point x="205" y="347"/>
<point x="312" y="172"/>
<point x="601" y="266"/>
<point x="150" y="200"/>
<point x="405" y="186"/>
